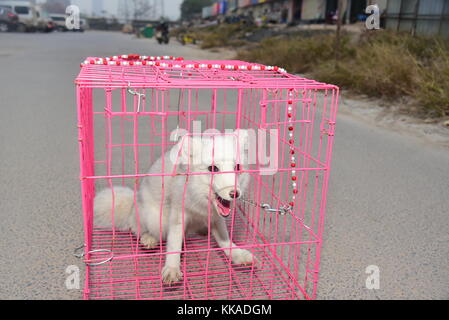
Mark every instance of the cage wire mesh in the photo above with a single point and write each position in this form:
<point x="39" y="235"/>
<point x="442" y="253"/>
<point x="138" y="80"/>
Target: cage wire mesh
<point x="129" y="107"/>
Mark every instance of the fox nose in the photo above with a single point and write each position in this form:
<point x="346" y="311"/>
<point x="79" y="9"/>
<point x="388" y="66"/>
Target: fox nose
<point x="234" y="194"/>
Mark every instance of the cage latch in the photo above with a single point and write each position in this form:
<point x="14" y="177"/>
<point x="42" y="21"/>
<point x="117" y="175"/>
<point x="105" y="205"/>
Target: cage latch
<point x="284" y="210"/>
<point x="80" y="254"/>
<point x="138" y="94"/>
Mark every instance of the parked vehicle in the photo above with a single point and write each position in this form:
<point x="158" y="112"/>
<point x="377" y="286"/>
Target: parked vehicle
<point x="44" y="21"/>
<point x="84" y="24"/>
<point x="27" y="13"/>
<point x="185" y="37"/>
<point x="8" y="20"/>
<point x="59" y="21"/>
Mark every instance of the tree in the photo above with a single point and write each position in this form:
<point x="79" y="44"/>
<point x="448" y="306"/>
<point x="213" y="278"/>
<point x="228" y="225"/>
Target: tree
<point x="192" y="8"/>
<point x="141" y="9"/>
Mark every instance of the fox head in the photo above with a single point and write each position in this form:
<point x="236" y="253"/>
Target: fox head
<point x="217" y="164"/>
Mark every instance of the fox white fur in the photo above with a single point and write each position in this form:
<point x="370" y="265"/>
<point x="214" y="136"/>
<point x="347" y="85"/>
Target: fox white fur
<point x="183" y="204"/>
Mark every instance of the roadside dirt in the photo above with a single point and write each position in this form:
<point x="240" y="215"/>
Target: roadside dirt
<point x="394" y="116"/>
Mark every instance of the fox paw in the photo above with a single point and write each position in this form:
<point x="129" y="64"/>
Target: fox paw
<point x="148" y="241"/>
<point x="243" y="257"/>
<point x="171" y="275"/>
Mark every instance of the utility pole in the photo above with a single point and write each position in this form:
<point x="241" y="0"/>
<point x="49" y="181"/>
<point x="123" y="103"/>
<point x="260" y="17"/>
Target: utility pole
<point x="342" y="5"/>
<point x="162" y="9"/>
<point x="154" y="13"/>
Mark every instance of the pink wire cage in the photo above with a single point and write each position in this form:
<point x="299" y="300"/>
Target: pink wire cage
<point x="128" y="107"/>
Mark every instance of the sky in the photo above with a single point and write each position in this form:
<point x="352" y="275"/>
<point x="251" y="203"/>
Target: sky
<point x="172" y="7"/>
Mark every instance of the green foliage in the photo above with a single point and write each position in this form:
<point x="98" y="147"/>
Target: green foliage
<point x="433" y="87"/>
<point x="222" y="35"/>
<point x="219" y="36"/>
<point x="378" y="70"/>
<point x="380" y="64"/>
<point x="298" y="54"/>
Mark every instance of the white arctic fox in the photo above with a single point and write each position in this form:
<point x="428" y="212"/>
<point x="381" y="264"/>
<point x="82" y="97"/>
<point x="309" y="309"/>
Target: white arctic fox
<point x="220" y="153"/>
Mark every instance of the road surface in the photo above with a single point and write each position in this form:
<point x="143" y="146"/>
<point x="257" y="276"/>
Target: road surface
<point x="388" y="199"/>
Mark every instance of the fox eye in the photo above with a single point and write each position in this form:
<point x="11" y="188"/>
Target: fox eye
<point x="213" y="169"/>
<point x="238" y="167"/>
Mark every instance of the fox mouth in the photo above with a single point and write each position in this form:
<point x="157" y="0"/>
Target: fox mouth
<point x="223" y="205"/>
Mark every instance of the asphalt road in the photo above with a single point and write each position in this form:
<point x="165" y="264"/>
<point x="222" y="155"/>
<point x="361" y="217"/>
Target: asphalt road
<point x="388" y="199"/>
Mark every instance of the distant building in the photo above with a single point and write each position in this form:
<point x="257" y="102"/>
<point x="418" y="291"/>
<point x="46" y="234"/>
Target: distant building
<point x="430" y="17"/>
<point x="290" y="11"/>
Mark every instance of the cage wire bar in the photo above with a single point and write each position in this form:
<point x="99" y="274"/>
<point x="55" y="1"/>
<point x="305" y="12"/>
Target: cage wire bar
<point x="128" y="107"/>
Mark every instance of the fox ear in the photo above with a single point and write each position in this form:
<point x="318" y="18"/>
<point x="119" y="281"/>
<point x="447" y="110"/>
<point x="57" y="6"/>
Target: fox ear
<point x="189" y="149"/>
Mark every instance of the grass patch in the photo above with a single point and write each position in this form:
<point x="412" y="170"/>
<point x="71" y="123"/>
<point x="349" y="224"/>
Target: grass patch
<point x="297" y="53"/>
<point x="377" y="70"/>
<point x="222" y="35"/>
<point x="380" y="64"/>
<point x="433" y="89"/>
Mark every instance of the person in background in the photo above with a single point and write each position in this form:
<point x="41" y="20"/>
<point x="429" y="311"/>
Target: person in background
<point x="284" y="15"/>
<point x="163" y="27"/>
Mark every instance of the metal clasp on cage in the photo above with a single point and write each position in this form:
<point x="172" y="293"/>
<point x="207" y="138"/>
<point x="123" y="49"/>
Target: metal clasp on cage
<point x="135" y="93"/>
<point x="284" y="210"/>
<point x="331" y="131"/>
<point x="81" y="254"/>
<point x="327" y="132"/>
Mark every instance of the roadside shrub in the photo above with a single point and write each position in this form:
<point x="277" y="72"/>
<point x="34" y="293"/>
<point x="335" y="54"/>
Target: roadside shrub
<point x="378" y="70"/>
<point x="422" y="48"/>
<point x="222" y="35"/>
<point x="297" y="54"/>
<point x="381" y="64"/>
<point x="433" y="89"/>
